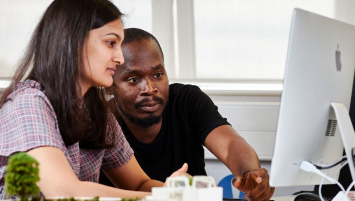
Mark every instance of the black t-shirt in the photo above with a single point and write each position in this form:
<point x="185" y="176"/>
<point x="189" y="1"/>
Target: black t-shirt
<point x="189" y="116"/>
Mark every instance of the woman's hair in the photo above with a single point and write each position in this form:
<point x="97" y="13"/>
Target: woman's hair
<point x="54" y="58"/>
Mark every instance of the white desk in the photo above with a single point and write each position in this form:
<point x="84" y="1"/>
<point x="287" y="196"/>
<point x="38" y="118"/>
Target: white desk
<point x="288" y="198"/>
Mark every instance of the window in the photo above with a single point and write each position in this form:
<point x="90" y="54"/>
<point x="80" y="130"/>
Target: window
<point x="18" y="19"/>
<point x="246" y="39"/>
<point x="202" y="39"/>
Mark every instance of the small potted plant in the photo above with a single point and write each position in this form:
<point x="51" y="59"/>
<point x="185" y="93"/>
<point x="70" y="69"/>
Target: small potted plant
<point x="21" y="177"/>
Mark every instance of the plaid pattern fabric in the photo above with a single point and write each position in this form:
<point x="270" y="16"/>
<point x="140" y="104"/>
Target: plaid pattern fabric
<point x="28" y="120"/>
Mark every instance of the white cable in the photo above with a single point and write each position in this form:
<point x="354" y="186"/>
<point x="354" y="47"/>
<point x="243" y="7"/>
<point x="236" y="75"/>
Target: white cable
<point x="347" y="190"/>
<point x="309" y="167"/>
<point x="320" y="189"/>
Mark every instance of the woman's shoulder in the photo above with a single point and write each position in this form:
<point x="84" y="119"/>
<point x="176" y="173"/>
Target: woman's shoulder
<point x="26" y="88"/>
<point x="27" y="120"/>
<point x="27" y="95"/>
<point x="28" y="91"/>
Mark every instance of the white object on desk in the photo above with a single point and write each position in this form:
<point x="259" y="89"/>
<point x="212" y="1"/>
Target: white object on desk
<point x="341" y="196"/>
<point x="286" y="198"/>
<point x="178" y="189"/>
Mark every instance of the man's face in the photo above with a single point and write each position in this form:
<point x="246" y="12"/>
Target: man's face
<point x="143" y="84"/>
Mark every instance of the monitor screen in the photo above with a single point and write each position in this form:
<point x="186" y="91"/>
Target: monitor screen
<point x="319" y="70"/>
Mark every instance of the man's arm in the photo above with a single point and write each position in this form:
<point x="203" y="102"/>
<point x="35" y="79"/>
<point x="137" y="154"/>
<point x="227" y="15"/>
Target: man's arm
<point x="229" y="147"/>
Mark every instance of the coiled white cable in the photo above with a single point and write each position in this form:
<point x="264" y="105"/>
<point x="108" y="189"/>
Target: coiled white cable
<point x="309" y="167"/>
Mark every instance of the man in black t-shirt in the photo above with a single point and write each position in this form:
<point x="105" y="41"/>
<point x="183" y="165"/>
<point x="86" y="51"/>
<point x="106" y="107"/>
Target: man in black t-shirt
<point x="168" y="126"/>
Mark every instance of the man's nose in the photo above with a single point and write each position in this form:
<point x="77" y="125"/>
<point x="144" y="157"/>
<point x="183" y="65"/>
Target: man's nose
<point x="148" y="88"/>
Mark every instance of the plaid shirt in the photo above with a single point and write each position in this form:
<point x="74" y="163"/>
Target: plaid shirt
<point x="28" y="121"/>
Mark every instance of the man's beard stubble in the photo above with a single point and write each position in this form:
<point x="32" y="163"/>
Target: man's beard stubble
<point x="144" y="122"/>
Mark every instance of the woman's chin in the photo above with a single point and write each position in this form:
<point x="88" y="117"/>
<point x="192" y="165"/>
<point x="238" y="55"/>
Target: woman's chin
<point x="105" y="84"/>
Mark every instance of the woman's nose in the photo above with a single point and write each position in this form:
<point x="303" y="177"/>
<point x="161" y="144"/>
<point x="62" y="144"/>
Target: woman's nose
<point x="118" y="56"/>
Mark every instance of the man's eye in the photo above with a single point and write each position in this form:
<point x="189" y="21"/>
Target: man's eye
<point x="133" y="79"/>
<point x="158" y="75"/>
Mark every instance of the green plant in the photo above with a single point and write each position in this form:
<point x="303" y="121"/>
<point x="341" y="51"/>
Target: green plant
<point x="73" y="199"/>
<point x="190" y="181"/>
<point x="130" y="199"/>
<point x="21" y="176"/>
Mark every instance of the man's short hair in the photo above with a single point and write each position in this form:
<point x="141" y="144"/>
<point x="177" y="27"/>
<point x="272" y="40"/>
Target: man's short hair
<point x="136" y="35"/>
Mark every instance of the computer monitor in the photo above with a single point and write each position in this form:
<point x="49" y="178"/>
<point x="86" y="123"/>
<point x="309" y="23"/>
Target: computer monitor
<point x="319" y="71"/>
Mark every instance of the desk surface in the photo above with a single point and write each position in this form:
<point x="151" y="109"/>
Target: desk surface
<point x="288" y="198"/>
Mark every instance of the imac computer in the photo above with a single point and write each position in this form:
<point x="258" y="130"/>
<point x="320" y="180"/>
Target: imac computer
<point x="314" y="123"/>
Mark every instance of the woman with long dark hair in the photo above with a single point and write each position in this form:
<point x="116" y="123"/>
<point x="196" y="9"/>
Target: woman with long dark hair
<point x="55" y="108"/>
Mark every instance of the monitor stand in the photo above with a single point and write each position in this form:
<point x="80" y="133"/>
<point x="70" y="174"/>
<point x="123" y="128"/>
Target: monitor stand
<point x="348" y="137"/>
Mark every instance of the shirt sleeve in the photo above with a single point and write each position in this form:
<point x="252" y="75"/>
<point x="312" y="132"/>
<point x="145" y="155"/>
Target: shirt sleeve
<point x="27" y="121"/>
<point x="202" y="113"/>
<point x="121" y="153"/>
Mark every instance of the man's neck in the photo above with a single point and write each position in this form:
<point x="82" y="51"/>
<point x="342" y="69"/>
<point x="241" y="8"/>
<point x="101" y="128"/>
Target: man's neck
<point x="145" y="135"/>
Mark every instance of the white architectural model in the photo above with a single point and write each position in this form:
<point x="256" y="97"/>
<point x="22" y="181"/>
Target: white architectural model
<point x="203" y="188"/>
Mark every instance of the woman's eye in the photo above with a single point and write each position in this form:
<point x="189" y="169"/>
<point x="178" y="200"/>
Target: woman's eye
<point x="133" y="79"/>
<point x="111" y="43"/>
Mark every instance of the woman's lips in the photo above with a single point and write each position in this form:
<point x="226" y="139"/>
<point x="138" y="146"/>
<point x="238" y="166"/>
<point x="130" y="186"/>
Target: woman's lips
<point x="111" y="70"/>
